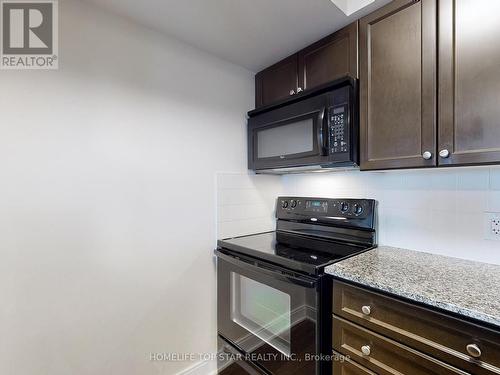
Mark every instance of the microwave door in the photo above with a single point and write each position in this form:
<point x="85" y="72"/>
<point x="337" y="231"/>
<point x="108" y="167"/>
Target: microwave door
<point x="298" y="140"/>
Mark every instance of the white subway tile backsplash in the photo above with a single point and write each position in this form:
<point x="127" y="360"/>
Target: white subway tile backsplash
<point x="442" y="239"/>
<point x="235" y="181"/>
<point x="442" y="201"/>
<point x="237" y="196"/>
<point x="435" y="210"/>
<point x="246" y="203"/>
<point x="473" y="179"/>
<point x="244" y="212"/>
<point x="442" y="179"/>
<point x="416" y="180"/>
<point x="495" y="179"/>
<point x="472" y="201"/>
<point x="494" y="201"/>
<point x="243" y="227"/>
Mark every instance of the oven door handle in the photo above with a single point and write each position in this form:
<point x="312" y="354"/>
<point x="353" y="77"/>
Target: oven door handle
<point x="276" y="272"/>
<point x="323" y="131"/>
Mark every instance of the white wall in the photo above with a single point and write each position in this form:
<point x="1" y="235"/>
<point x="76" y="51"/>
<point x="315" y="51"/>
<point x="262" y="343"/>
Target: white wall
<point x="107" y="199"/>
<point x="439" y="211"/>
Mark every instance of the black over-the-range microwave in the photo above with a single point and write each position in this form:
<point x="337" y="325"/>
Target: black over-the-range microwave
<point x="310" y="132"/>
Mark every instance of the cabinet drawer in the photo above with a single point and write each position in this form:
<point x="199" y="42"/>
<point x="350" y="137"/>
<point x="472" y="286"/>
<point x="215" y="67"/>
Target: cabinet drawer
<point x="382" y="355"/>
<point x="348" y="367"/>
<point x="433" y="333"/>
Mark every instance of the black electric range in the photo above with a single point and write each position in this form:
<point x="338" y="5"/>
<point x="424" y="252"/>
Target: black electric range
<point x="274" y="303"/>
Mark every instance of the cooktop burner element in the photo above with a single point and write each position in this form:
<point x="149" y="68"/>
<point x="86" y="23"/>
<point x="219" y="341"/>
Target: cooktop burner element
<point x="311" y="233"/>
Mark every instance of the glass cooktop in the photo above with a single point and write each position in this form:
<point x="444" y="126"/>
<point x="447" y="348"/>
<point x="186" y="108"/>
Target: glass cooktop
<point x="296" y="252"/>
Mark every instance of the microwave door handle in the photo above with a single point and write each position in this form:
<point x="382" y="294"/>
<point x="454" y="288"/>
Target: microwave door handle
<point x="323" y="131"/>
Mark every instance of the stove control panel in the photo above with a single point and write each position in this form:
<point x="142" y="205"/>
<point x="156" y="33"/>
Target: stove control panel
<point x="351" y="212"/>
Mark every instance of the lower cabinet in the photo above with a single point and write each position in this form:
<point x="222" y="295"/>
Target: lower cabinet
<point x="345" y="366"/>
<point x="382" y="355"/>
<point x="386" y="335"/>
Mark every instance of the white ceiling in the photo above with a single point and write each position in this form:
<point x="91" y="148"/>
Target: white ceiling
<point x="249" y="33"/>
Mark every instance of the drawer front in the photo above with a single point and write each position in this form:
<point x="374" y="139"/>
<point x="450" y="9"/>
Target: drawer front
<point x="348" y="367"/>
<point x="430" y="332"/>
<point x="382" y="355"/>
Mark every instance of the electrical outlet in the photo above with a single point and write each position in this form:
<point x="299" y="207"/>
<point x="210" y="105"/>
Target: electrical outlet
<point x="492" y="226"/>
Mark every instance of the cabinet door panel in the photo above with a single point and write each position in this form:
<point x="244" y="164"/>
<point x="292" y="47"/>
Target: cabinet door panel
<point x="342" y="365"/>
<point x="398" y="85"/>
<point x="469" y="80"/>
<point x="384" y="356"/>
<point x="276" y="82"/>
<point x="330" y="58"/>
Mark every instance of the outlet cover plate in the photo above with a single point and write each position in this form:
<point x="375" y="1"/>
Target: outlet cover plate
<point x="492" y="226"/>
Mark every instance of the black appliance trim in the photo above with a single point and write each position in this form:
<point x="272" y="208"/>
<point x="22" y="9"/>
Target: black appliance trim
<point x="231" y="348"/>
<point x="270" y="269"/>
<point x="340" y="235"/>
<point x="319" y="105"/>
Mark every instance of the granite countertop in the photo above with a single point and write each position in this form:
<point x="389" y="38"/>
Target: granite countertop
<point x="468" y="288"/>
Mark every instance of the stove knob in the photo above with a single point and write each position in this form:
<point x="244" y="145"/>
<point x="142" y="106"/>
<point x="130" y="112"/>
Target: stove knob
<point x="294" y="204"/>
<point x="284" y="204"/>
<point x="344" y="206"/>
<point x="357" y="209"/>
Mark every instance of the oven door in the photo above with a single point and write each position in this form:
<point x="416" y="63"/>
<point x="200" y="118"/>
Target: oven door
<point x="232" y="362"/>
<point x="292" y="136"/>
<point x="269" y="314"/>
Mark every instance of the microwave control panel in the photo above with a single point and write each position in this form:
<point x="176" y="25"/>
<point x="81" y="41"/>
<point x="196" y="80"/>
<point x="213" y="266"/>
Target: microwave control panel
<point x="338" y="129"/>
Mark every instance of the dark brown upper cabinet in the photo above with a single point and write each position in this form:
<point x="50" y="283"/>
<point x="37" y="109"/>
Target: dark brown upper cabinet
<point x="277" y="82"/>
<point x="398" y="86"/>
<point x="469" y="82"/>
<point x="331" y="58"/>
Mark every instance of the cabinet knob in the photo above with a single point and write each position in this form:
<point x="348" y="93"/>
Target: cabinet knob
<point x="366" y="350"/>
<point x="474" y="350"/>
<point x="299" y="90"/>
<point x="366" y="310"/>
<point x="444" y="153"/>
<point x="427" y="155"/>
<point x="292" y="92"/>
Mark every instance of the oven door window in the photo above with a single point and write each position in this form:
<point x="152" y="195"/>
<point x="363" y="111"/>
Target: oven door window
<point x="262" y="310"/>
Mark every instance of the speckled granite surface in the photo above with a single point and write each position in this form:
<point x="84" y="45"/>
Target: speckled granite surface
<point x="468" y="288"/>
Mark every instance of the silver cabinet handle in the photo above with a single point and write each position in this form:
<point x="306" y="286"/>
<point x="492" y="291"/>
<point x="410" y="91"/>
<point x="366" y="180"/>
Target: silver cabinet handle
<point x="366" y="310"/>
<point x="427" y="155"/>
<point x="299" y="90"/>
<point x="474" y="350"/>
<point x="292" y="92"/>
<point x="366" y="350"/>
<point x="444" y="153"/>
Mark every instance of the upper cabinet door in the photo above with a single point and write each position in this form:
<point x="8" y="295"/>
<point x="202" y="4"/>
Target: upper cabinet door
<point x="331" y="58"/>
<point x="398" y="86"/>
<point x="276" y="82"/>
<point x="469" y="82"/>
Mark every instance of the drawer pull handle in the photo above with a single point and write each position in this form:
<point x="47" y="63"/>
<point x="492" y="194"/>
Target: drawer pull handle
<point x="366" y="350"/>
<point x="474" y="350"/>
<point x="366" y="310"/>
